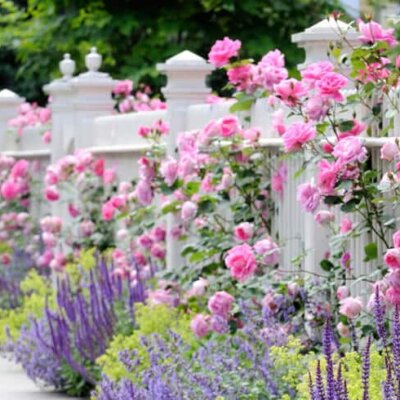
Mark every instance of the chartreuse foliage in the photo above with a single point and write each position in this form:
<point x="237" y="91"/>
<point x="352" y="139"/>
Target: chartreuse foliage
<point x="36" y="290"/>
<point x="159" y="319"/>
<point x="352" y="371"/>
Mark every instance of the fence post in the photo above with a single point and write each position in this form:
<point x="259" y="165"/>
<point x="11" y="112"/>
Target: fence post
<point x="61" y="104"/>
<point x="316" y="41"/>
<point x="186" y="73"/>
<point x="92" y="98"/>
<point x="9" y="102"/>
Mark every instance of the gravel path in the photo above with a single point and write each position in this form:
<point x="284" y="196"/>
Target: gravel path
<point x="14" y="385"/>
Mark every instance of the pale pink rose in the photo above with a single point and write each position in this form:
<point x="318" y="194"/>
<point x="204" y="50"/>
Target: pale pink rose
<point x="9" y="190"/>
<point x="393" y="279"/>
<point x="298" y="134"/>
<point x="22" y="218"/>
<point x="349" y="150"/>
<point x="87" y="228"/>
<point x="198" y="288"/>
<point x="342" y="292"/>
<point x="44" y="115"/>
<point x="396" y="239"/>
<point x="371" y="32"/>
<point x="390" y="151"/>
<point x="51" y="193"/>
<point x="229" y="125"/>
<point x="392" y="258"/>
<point x="251" y="134"/>
<point x="109" y="176"/>
<point x="241" y="262"/>
<point x="162" y="127"/>
<point x="187" y="143"/>
<point x="392" y="295"/>
<point x="169" y="171"/>
<point x="346" y="225"/>
<point x="211" y="130"/>
<point x="124" y="87"/>
<point x="122" y="234"/>
<point x="207" y="185"/>
<point x="308" y="196"/>
<point x="144" y="192"/>
<point x="277" y="122"/>
<point x="189" y="210"/>
<point x="221" y="304"/>
<point x="49" y="240"/>
<point x="108" y="211"/>
<point x="200" y="325"/>
<point x="351" y="307"/>
<point x="157" y="251"/>
<point x="125" y="187"/>
<point x="46" y="137"/>
<point x="161" y="296"/>
<point x="290" y="91"/>
<point x="313" y="72"/>
<point x="223" y="50"/>
<point x="58" y="262"/>
<point x="226" y="180"/>
<point x="275" y="58"/>
<point x="270" y="75"/>
<point x="343" y="329"/>
<point x="268" y="250"/>
<point x="324" y="217"/>
<point x="20" y="169"/>
<point x="316" y="107"/>
<point x="244" y="231"/>
<point x="330" y="85"/>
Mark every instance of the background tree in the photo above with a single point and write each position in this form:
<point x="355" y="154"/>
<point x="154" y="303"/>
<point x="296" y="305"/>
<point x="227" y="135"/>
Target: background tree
<point x="133" y="35"/>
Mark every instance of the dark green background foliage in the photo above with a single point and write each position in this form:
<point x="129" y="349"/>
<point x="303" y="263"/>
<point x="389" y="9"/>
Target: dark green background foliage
<point x="133" y="35"/>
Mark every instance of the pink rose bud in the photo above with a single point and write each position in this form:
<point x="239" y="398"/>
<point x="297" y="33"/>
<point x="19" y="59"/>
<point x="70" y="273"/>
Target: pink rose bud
<point x="351" y="307"/>
<point x="108" y="211"/>
<point x="244" y="231"/>
<point x="221" y="304"/>
<point x="390" y="151"/>
<point x="51" y="193"/>
<point x="199" y="325"/>
<point x="324" y="217"/>
<point x="343" y="329"/>
<point x="189" y="210"/>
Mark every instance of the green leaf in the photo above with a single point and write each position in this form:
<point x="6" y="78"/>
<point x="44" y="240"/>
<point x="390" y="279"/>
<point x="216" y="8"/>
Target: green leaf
<point x="326" y="265"/>
<point x="371" y="251"/>
<point x="243" y="105"/>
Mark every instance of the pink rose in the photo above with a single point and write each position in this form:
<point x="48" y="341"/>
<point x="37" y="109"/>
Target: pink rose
<point x="316" y="107"/>
<point x="158" y="233"/>
<point x="313" y="72"/>
<point x="221" y="304"/>
<point x="240" y="76"/>
<point x="346" y="225"/>
<point x="108" y="211"/>
<point x="198" y="288"/>
<point x="47" y="137"/>
<point x="9" y="190"/>
<point x="241" y="262"/>
<point x="392" y="295"/>
<point x="169" y="171"/>
<point x="393" y="279"/>
<point x="392" y="258"/>
<point x="349" y="150"/>
<point x="274" y="58"/>
<point x="229" y="125"/>
<point x="72" y="210"/>
<point x="243" y="231"/>
<point x="268" y="250"/>
<point x="123" y="87"/>
<point x="327" y="176"/>
<point x="396" y="239"/>
<point x="277" y="122"/>
<point x="351" y="307"/>
<point x="145" y="241"/>
<point x="223" y="50"/>
<point x="87" y="228"/>
<point x="144" y="192"/>
<point x="279" y="179"/>
<point x="324" y="217"/>
<point x="330" y="85"/>
<point x="189" y="210"/>
<point x="251" y="134"/>
<point x="199" y="325"/>
<point x="51" y="193"/>
<point x="109" y="176"/>
<point x="342" y="292"/>
<point x="290" y="91"/>
<point x="390" y="151"/>
<point x="308" y="196"/>
<point x="298" y="134"/>
<point x="157" y="251"/>
<point x="162" y="296"/>
<point x="20" y="169"/>
<point x="371" y="32"/>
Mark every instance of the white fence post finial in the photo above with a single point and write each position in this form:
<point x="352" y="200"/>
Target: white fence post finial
<point x="186" y="85"/>
<point x="92" y="98"/>
<point x="316" y="39"/>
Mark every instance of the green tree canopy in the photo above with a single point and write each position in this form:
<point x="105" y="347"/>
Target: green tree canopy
<point x="133" y="35"/>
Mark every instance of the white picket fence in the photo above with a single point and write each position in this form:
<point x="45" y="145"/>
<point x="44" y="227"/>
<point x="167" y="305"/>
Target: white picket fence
<point x="82" y="117"/>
